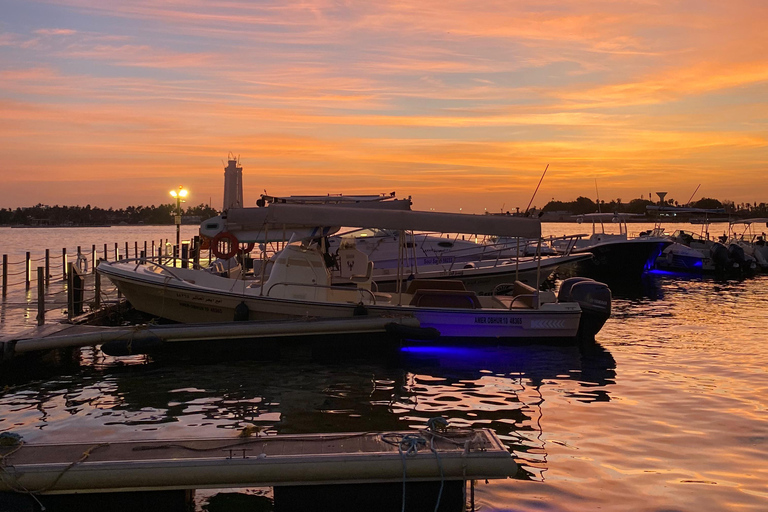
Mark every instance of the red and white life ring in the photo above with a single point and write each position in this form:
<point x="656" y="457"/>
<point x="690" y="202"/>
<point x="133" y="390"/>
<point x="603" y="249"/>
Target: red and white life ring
<point x="225" y="245"/>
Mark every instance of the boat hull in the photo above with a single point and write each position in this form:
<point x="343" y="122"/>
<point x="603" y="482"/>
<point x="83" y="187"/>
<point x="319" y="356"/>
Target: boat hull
<point x="630" y="257"/>
<point x="184" y="302"/>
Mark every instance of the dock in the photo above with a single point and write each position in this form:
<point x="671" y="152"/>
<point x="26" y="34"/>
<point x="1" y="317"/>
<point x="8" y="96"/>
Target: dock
<point x="280" y="461"/>
<point x="149" y="338"/>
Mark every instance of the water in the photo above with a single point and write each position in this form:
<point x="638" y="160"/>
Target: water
<point x="667" y="411"/>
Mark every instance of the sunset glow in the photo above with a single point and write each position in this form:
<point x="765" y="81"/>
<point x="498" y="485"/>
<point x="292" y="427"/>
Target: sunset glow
<point x="459" y="104"/>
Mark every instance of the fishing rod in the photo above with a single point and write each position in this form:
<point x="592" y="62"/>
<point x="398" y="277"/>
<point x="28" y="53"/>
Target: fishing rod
<point x="537" y="189"/>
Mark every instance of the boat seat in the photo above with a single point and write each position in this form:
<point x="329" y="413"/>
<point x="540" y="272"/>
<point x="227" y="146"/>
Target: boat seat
<point x="523" y="294"/>
<point x="458" y="299"/>
<point x="434" y="284"/>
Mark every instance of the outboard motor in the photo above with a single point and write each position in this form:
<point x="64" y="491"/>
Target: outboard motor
<point x="719" y="254"/>
<point x="737" y="256"/>
<point x="593" y="297"/>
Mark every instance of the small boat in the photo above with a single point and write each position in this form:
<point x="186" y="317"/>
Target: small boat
<point x="754" y="244"/>
<point x="701" y="253"/>
<point x="300" y="284"/>
<point x="615" y="253"/>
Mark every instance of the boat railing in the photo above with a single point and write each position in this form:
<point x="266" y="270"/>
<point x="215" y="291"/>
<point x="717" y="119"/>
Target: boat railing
<point x="564" y="244"/>
<point x="361" y="291"/>
<point x="144" y="261"/>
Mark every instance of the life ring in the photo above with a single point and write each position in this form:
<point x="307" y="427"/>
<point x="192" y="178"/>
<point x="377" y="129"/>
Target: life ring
<point x="223" y="240"/>
<point x="245" y="247"/>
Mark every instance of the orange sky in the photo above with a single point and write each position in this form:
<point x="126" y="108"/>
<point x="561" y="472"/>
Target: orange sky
<point x="459" y="104"/>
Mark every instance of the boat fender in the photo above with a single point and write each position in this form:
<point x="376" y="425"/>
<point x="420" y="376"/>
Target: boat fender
<point x="223" y="240"/>
<point x="360" y="310"/>
<point x="242" y="313"/>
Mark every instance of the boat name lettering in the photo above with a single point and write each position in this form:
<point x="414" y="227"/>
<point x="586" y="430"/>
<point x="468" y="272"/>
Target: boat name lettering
<point x="438" y="260"/>
<point x="197" y="298"/>
<point x="501" y="320"/>
<point x="199" y="307"/>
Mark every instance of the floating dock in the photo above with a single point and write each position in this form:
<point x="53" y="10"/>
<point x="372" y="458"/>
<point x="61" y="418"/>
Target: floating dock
<point x="319" y="460"/>
<point x="142" y="339"/>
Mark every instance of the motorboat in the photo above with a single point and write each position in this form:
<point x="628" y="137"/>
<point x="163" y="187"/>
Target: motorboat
<point x="480" y="262"/>
<point x="700" y="252"/>
<point x="300" y="284"/>
<point x="614" y="253"/>
<point x="481" y="265"/>
<point x="753" y="243"/>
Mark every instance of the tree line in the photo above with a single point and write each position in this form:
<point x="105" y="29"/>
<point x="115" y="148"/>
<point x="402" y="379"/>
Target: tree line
<point x="584" y="205"/>
<point x="41" y="215"/>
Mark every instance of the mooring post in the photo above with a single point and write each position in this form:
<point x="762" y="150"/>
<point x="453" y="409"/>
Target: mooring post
<point x="64" y="264"/>
<point x="153" y="249"/>
<point x="28" y="268"/>
<point x="93" y="257"/>
<point x="40" y="296"/>
<point x="145" y="249"/>
<point x="126" y="251"/>
<point x="117" y="252"/>
<point x="47" y="267"/>
<point x="5" y="274"/>
<point x="80" y="255"/>
<point x="70" y="293"/>
<point x="185" y="254"/>
<point x="106" y="256"/>
<point x="135" y="249"/>
<point x="196" y="251"/>
<point x="97" y="290"/>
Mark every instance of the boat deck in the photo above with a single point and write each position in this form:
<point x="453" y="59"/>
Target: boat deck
<point x="282" y="460"/>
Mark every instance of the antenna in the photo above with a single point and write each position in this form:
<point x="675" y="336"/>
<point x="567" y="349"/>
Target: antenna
<point x="537" y="188"/>
<point x="597" y="192"/>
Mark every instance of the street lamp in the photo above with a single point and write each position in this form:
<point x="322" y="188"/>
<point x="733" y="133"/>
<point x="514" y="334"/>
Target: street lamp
<point x="179" y="195"/>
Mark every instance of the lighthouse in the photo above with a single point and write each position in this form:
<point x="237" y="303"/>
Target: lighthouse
<point x="233" y="184"/>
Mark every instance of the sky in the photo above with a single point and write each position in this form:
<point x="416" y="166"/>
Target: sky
<point x="459" y="104"/>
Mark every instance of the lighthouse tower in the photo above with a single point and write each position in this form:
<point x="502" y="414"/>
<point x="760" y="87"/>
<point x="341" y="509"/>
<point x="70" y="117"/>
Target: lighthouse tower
<point x="233" y="184"/>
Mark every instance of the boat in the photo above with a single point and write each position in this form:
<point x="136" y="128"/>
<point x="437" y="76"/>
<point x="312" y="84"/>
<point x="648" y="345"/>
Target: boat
<point x="481" y="263"/>
<point x="300" y="285"/>
<point x="754" y="244"/>
<point x="614" y="253"/>
<point x="699" y="252"/>
<point x="480" y="266"/>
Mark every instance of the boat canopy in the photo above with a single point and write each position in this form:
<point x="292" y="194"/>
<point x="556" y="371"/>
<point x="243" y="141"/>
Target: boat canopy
<point x="287" y="216"/>
<point x="757" y="220"/>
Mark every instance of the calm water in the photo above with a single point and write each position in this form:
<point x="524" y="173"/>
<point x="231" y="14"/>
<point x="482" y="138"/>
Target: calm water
<point x="667" y="412"/>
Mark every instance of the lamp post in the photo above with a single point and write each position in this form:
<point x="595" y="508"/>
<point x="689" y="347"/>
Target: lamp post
<point x="178" y="194"/>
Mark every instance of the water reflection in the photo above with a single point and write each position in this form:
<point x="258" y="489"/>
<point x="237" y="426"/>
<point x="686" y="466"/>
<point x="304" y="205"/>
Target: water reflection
<point x="503" y="388"/>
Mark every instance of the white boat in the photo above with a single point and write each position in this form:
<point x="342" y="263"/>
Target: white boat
<point x="753" y="243"/>
<point x="481" y="266"/>
<point x="615" y="253"/>
<point x="481" y="263"/>
<point x="300" y="285"/>
<point x="701" y="253"/>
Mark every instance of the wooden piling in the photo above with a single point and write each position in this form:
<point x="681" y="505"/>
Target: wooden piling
<point x="64" y="263"/>
<point x="40" y="296"/>
<point x="5" y="274"/>
<point x="47" y="268"/>
<point x="28" y="270"/>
